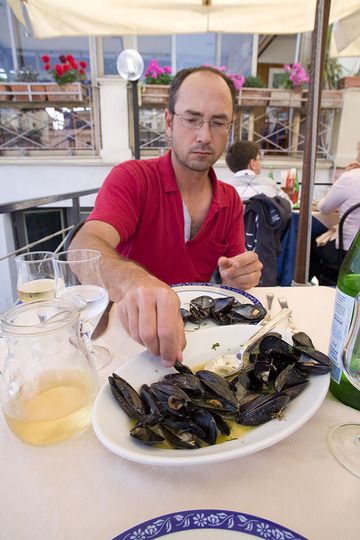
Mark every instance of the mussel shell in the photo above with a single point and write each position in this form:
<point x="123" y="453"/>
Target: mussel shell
<point x="146" y="435"/>
<point x="218" y="386"/>
<point x="300" y="339"/>
<point x="313" y="361"/>
<point x="249" y="312"/>
<point x="200" y="307"/>
<point x="182" y="368"/>
<point x="127" y="397"/>
<point x="149" y="400"/>
<point x="188" y="382"/>
<point x="180" y="439"/>
<point x="289" y="376"/>
<point x="247" y="379"/>
<point x="262" y="409"/>
<point x="205" y="420"/>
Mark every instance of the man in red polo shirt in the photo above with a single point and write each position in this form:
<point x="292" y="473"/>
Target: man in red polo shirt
<point x="162" y="221"/>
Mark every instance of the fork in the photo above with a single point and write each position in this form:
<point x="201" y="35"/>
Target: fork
<point x="284" y="304"/>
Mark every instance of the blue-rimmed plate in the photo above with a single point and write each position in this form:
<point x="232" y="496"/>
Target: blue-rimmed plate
<point x="209" y="524"/>
<point x="189" y="291"/>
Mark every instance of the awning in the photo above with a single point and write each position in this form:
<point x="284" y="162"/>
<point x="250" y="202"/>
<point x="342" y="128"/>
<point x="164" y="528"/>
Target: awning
<point x="346" y="36"/>
<point x="50" y="18"/>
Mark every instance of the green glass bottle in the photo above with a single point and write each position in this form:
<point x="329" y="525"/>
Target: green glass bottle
<point x="348" y="285"/>
<point x="271" y="174"/>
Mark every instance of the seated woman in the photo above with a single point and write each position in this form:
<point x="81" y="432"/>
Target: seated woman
<point x="243" y="159"/>
<point x="344" y="193"/>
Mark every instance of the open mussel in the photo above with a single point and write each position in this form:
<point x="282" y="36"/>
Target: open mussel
<point x="127" y="397"/>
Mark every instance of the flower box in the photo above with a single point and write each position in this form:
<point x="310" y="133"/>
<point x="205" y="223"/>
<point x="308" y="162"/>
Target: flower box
<point x="155" y="94"/>
<point x="66" y="92"/>
<point x="281" y="97"/>
<point x="330" y="99"/>
<point x="4" y="92"/>
<point x="253" y="97"/>
<point x="27" y="91"/>
<point x="350" y="82"/>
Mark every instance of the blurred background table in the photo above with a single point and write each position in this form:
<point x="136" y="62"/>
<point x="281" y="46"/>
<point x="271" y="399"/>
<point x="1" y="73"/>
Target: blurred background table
<point x="78" y="489"/>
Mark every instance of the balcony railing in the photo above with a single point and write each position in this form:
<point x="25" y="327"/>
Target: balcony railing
<point x="275" y="118"/>
<point x="45" y="118"/>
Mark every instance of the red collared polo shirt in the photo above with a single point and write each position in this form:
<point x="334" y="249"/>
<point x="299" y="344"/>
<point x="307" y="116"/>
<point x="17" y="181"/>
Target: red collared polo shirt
<point x="142" y="201"/>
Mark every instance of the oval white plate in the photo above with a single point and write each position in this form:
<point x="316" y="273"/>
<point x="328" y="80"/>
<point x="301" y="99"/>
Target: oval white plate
<point x="112" y="425"/>
<point x="219" y="525"/>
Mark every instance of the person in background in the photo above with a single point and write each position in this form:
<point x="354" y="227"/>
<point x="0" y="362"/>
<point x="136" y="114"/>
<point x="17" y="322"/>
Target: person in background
<point x="167" y="220"/>
<point x="343" y="194"/>
<point x="243" y="158"/>
<point x="356" y="163"/>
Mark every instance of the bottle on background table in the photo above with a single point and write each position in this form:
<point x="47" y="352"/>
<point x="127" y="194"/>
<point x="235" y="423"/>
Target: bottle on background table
<point x="348" y="286"/>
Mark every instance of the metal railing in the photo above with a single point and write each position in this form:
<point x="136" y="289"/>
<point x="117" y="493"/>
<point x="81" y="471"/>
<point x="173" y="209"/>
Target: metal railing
<point x="47" y="121"/>
<point x="16" y="211"/>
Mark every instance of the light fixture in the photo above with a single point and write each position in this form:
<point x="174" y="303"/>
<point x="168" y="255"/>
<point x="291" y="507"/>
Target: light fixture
<point x="130" y="67"/>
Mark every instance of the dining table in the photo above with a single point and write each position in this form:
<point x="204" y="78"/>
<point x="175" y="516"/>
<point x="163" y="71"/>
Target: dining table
<point x="78" y="489"/>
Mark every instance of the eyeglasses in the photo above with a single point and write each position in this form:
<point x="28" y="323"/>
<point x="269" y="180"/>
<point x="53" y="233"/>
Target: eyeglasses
<point x="197" y="122"/>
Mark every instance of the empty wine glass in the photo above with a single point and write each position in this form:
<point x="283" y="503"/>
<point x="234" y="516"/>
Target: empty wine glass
<point x="35" y="276"/>
<point x="344" y="440"/>
<point x="78" y="278"/>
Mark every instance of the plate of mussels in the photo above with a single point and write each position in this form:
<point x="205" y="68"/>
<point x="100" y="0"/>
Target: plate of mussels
<point x="190" y="414"/>
<point x="205" y="305"/>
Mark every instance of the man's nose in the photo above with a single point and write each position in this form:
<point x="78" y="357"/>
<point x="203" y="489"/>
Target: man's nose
<point x="203" y="133"/>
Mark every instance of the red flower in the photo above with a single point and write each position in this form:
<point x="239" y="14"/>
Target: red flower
<point x="47" y="67"/>
<point x="70" y="58"/>
<point x="66" y="67"/>
<point x="59" y="69"/>
<point x="45" y="58"/>
<point x="83" y="64"/>
<point x="74" y="65"/>
<point x="82" y="72"/>
<point x="62" y="58"/>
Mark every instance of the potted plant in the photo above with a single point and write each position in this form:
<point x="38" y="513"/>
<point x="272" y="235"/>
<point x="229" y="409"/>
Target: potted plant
<point x="291" y="84"/>
<point x="155" y="90"/>
<point x="26" y="76"/>
<point x="253" y="92"/>
<point x="67" y="74"/>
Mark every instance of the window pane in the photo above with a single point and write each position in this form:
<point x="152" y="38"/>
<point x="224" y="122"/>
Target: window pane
<point x="158" y="47"/>
<point x="195" y="50"/>
<point x="30" y="50"/>
<point x="236" y="52"/>
<point x="6" y="63"/>
<point x="112" y="47"/>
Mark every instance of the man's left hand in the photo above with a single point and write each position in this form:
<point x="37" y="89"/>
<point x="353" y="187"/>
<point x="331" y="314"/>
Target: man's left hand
<point x="242" y="271"/>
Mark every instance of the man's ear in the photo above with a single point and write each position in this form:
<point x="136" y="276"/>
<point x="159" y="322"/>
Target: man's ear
<point x="251" y="165"/>
<point x="168" y="122"/>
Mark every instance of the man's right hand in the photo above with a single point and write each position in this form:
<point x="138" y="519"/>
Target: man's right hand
<point x="150" y="313"/>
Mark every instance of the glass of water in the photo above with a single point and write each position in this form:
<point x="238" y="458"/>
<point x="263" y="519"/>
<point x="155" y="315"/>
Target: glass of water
<point x="78" y="278"/>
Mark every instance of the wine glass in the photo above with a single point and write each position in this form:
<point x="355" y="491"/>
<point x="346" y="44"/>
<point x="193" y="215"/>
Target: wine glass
<point x="78" y="278"/>
<point x="344" y="440"/>
<point x="35" y="276"/>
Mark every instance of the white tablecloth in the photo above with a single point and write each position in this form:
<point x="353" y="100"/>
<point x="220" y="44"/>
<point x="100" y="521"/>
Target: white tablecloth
<point x="79" y="490"/>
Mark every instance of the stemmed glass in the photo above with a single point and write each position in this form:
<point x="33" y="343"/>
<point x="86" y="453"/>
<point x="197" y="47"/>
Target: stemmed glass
<point x="35" y="276"/>
<point x="78" y="278"/>
<point x="344" y="440"/>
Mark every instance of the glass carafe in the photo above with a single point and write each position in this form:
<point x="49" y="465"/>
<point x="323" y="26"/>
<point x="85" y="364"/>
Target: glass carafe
<point x="49" y="382"/>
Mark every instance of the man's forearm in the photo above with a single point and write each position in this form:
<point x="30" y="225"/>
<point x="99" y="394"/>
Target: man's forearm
<point x="117" y="273"/>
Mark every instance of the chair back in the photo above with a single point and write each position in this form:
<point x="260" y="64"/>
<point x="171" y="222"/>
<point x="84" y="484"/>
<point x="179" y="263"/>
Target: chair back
<point x="341" y="227"/>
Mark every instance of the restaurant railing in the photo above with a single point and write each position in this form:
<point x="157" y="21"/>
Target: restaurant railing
<point x="16" y="211"/>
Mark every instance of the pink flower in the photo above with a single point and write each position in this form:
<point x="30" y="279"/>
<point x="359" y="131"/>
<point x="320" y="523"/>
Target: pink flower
<point x="167" y="69"/>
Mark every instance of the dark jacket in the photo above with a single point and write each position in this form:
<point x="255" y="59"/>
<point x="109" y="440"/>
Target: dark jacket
<point x="266" y="219"/>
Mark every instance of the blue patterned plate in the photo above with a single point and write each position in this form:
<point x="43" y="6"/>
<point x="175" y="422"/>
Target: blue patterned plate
<point x="219" y="524"/>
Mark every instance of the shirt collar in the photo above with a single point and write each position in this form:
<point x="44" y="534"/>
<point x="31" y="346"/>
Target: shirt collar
<point x="245" y="172"/>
